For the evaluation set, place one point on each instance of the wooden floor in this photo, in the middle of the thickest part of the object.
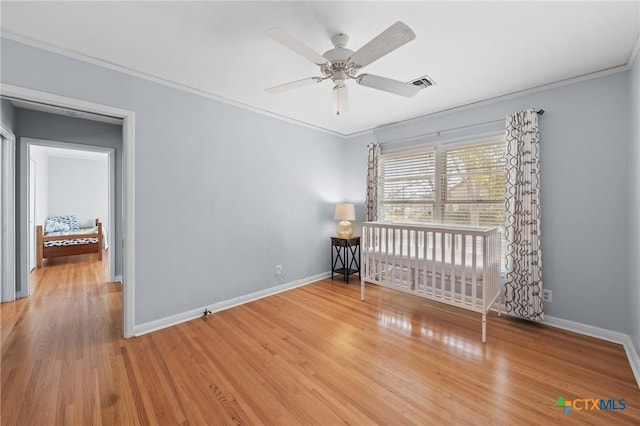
(313, 355)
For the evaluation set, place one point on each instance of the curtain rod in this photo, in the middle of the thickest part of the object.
(438, 132)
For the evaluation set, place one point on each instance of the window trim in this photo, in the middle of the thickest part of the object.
(420, 143)
(431, 151)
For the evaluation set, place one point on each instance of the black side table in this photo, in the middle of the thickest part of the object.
(340, 262)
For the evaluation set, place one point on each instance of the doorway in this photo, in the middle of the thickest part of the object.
(77, 179)
(45, 99)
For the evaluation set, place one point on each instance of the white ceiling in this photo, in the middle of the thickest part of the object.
(473, 50)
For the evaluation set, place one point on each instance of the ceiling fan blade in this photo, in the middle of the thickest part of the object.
(387, 41)
(283, 37)
(293, 84)
(388, 85)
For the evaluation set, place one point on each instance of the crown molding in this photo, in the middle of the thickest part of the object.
(634, 53)
(360, 133)
(505, 97)
(155, 79)
(169, 83)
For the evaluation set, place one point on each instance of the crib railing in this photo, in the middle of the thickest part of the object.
(451, 264)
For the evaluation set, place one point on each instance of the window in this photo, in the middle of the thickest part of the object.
(473, 185)
(407, 187)
(461, 184)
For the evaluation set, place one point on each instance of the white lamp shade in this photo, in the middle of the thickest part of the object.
(345, 212)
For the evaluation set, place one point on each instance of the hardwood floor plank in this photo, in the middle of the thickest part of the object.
(140, 396)
(312, 355)
(212, 374)
(192, 386)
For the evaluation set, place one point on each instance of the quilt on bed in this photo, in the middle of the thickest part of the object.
(67, 225)
(75, 242)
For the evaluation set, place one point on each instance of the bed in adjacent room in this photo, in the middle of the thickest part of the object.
(62, 236)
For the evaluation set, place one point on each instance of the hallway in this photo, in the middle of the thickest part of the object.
(55, 343)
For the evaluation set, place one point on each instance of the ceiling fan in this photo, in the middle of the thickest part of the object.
(341, 64)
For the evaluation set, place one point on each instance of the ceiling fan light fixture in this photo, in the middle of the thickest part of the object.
(340, 105)
(341, 64)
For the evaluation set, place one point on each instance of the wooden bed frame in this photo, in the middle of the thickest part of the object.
(43, 252)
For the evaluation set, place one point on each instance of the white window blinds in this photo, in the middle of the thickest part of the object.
(473, 184)
(407, 187)
(461, 185)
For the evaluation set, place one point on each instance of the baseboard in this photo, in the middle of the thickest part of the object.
(580, 328)
(161, 323)
(576, 327)
(603, 334)
(632, 356)
(587, 330)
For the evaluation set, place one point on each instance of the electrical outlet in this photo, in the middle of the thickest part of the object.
(278, 269)
(547, 296)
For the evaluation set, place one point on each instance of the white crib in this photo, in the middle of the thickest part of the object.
(456, 265)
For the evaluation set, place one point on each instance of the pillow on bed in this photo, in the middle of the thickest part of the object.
(61, 223)
(70, 220)
(53, 225)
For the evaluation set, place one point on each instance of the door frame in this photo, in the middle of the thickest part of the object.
(7, 217)
(27, 143)
(33, 169)
(128, 183)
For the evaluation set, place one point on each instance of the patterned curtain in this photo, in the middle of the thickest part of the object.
(523, 288)
(371, 207)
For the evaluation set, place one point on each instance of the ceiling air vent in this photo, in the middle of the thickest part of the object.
(423, 82)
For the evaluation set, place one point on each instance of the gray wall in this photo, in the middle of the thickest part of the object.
(60, 128)
(7, 115)
(222, 194)
(356, 178)
(583, 189)
(633, 298)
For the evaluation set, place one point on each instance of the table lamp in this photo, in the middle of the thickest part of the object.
(345, 213)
